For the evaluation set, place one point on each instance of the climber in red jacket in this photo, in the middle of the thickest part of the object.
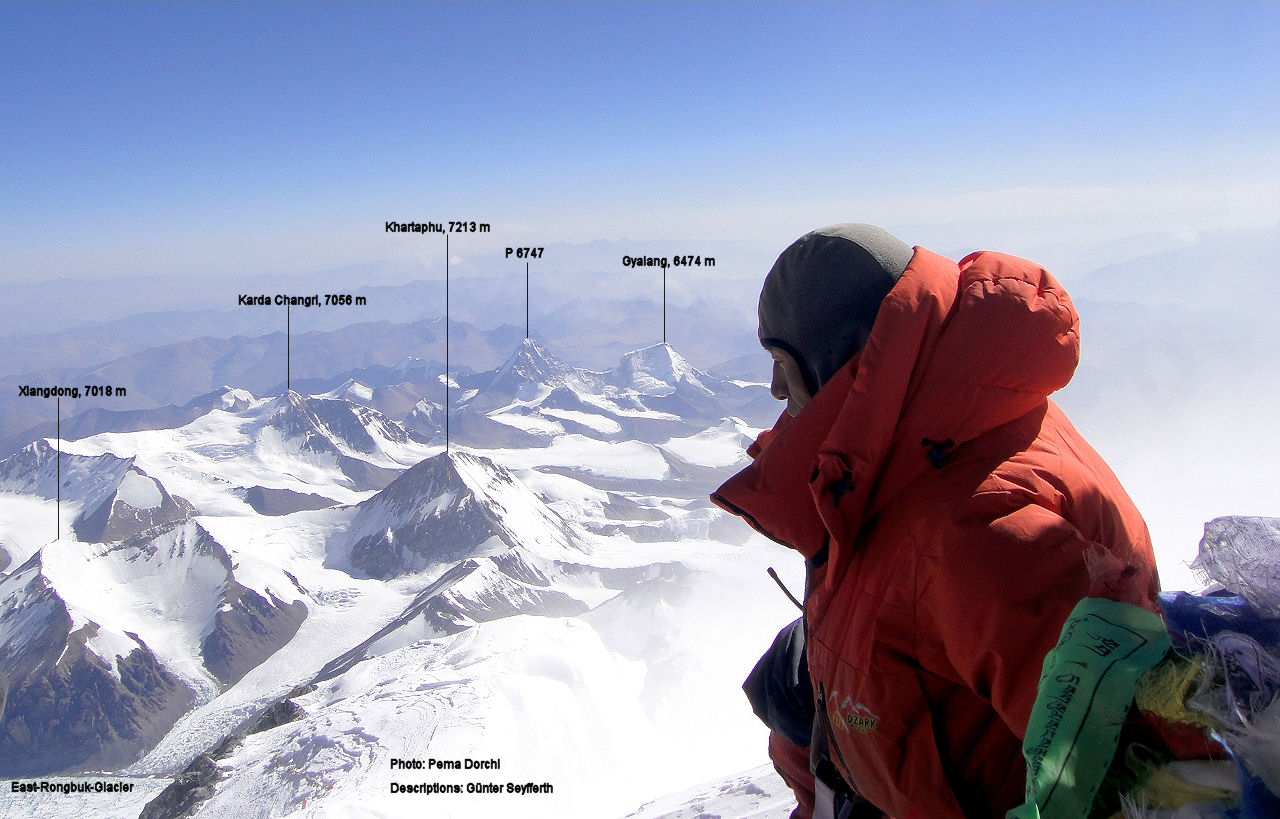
(949, 515)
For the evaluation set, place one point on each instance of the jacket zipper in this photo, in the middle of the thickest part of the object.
(830, 738)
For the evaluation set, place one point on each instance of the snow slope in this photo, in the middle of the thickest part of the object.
(565, 603)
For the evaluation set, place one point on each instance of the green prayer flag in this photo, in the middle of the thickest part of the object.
(1087, 685)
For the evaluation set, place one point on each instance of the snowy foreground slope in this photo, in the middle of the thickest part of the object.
(307, 606)
(755, 794)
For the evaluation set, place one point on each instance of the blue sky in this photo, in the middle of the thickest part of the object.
(229, 137)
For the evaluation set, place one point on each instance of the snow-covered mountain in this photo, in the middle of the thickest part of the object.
(360, 440)
(105, 645)
(334, 425)
(38, 470)
(67, 707)
(107, 498)
(528, 375)
(446, 509)
(652, 395)
(256, 611)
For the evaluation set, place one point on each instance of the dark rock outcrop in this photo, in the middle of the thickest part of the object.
(248, 629)
(267, 501)
(62, 709)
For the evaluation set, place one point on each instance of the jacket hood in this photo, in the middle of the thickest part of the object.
(956, 350)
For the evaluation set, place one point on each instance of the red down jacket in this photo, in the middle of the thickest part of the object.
(962, 516)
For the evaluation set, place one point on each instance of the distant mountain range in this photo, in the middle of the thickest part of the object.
(316, 570)
(173, 341)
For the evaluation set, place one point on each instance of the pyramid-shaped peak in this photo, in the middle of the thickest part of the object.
(449, 470)
(287, 405)
(286, 401)
(657, 369)
(531, 358)
(529, 372)
(661, 355)
(449, 507)
(442, 463)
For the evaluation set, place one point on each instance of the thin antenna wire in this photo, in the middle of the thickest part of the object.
(784, 588)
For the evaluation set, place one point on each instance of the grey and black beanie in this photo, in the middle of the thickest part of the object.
(822, 295)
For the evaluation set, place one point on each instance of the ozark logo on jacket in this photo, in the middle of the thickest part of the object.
(850, 715)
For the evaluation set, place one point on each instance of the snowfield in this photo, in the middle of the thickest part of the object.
(555, 629)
